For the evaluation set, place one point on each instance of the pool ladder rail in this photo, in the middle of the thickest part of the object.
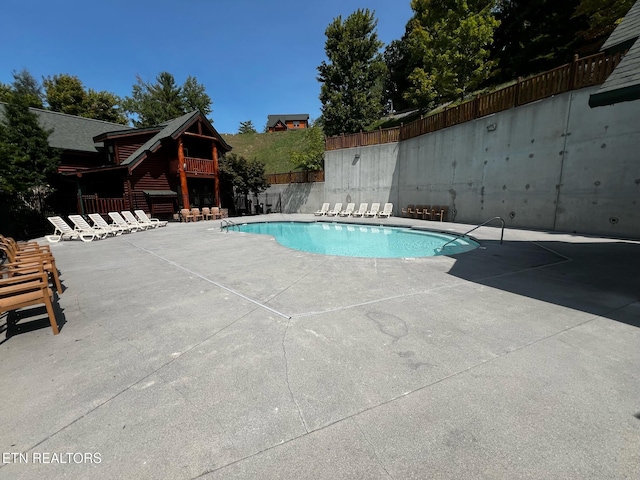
(228, 223)
(477, 227)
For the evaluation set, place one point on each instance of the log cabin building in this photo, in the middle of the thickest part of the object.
(111, 167)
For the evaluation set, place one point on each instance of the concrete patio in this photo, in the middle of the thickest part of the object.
(187, 352)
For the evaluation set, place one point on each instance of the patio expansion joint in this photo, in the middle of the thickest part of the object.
(286, 371)
(202, 277)
(373, 448)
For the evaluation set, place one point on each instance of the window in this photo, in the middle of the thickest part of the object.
(296, 124)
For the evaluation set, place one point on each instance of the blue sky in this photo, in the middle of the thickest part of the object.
(255, 57)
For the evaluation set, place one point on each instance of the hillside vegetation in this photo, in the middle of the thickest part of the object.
(273, 149)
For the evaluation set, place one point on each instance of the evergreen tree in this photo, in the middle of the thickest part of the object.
(397, 59)
(448, 42)
(153, 103)
(26, 160)
(246, 127)
(352, 80)
(601, 16)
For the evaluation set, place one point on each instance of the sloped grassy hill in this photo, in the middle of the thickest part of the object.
(272, 148)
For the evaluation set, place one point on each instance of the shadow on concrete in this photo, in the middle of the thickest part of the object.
(15, 323)
(295, 196)
(599, 277)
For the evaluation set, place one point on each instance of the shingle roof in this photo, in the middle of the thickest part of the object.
(273, 119)
(628, 29)
(172, 128)
(71, 132)
(624, 82)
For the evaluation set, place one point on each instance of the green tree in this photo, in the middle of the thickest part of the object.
(311, 156)
(602, 16)
(5, 92)
(25, 156)
(246, 127)
(153, 103)
(397, 59)
(352, 80)
(247, 176)
(103, 105)
(537, 35)
(448, 41)
(27, 89)
(65, 93)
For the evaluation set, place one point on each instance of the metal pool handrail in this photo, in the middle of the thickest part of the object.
(226, 223)
(478, 226)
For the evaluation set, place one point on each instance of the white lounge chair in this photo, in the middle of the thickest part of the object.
(113, 229)
(133, 221)
(154, 222)
(336, 210)
(323, 210)
(82, 225)
(349, 210)
(62, 231)
(387, 211)
(122, 223)
(375, 208)
(361, 211)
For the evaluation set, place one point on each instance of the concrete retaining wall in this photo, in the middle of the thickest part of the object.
(555, 164)
(295, 197)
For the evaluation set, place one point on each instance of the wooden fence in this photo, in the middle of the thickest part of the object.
(295, 177)
(95, 204)
(582, 72)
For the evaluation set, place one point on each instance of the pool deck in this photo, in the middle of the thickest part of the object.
(187, 352)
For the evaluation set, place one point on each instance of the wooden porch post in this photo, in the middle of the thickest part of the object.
(217, 176)
(183, 176)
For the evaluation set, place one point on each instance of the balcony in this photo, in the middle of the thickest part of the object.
(198, 166)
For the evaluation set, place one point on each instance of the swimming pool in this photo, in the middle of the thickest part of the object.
(351, 240)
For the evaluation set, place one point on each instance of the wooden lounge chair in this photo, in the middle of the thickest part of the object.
(186, 215)
(336, 210)
(407, 211)
(440, 212)
(417, 213)
(348, 211)
(121, 222)
(113, 229)
(215, 212)
(387, 211)
(206, 213)
(62, 230)
(375, 208)
(82, 225)
(361, 211)
(29, 256)
(323, 210)
(144, 218)
(195, 211)
(426, 212)
(30, 288)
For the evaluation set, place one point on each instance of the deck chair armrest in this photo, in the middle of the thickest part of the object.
(40, 276)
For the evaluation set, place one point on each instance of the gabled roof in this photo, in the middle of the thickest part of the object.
(623, 84)
(172, 129)
(71, 132)
(273, 119)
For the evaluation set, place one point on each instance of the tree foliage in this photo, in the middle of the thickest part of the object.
(601, 16)
(65, 93)
(26, 159)
(537, 35)
(311, 157)
(153, 103)
(246, 127)
(352, 80)
(397, 59)
(247, 176)
(448, 42)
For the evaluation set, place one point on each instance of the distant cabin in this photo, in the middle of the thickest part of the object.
(280, 123)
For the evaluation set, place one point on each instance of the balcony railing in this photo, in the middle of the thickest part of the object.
(198, 166)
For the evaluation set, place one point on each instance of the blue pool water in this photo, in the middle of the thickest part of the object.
(351, 240)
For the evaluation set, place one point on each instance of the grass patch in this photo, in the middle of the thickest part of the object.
(271, 148)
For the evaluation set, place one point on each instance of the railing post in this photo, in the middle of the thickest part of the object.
(573, 72)
(516, 99)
